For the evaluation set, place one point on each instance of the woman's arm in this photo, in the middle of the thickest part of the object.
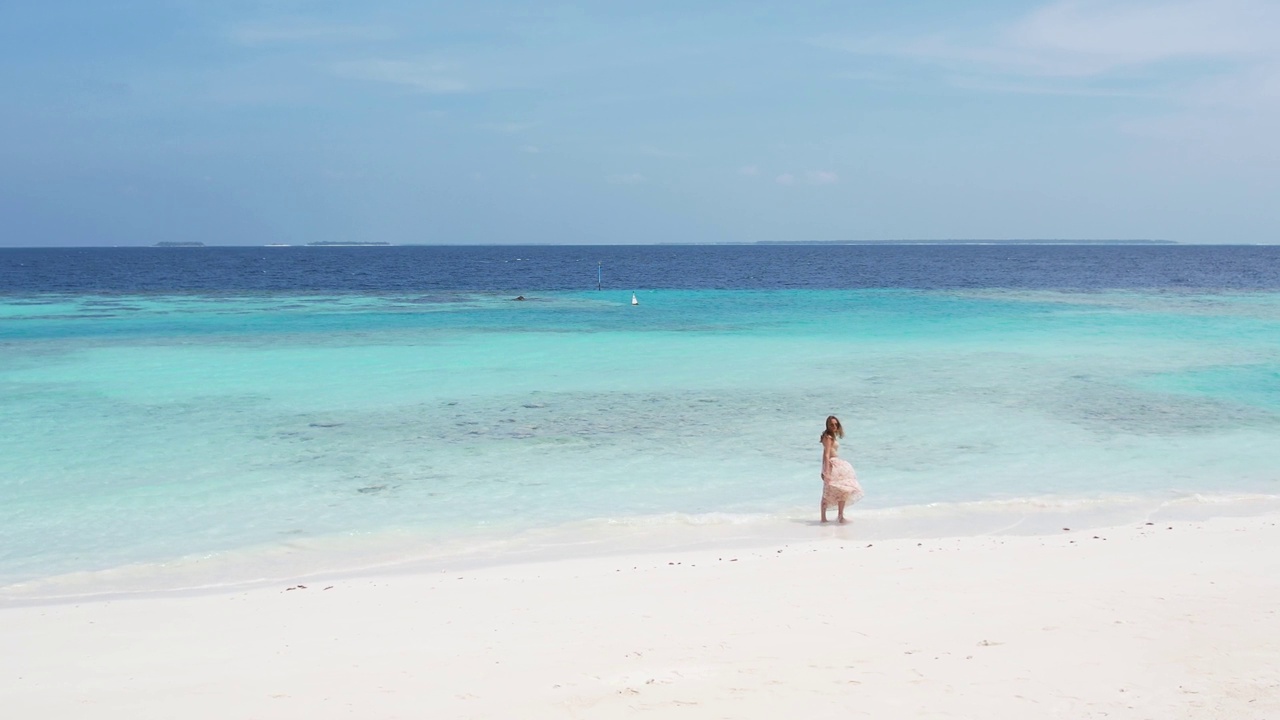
(827, 442)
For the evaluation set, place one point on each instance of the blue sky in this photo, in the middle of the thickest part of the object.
(239, 122)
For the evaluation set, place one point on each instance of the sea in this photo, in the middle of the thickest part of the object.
(186, 419)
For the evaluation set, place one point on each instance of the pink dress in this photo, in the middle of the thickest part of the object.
(839, 481)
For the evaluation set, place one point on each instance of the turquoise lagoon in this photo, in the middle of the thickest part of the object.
(167, 442)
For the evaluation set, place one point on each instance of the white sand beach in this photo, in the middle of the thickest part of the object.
(1173, 620)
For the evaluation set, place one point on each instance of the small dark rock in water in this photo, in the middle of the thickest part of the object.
(519, 297)
(372, 489)
(325, 424)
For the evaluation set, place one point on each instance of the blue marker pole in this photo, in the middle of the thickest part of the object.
(600, 275)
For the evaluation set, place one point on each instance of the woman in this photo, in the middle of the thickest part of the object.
(839, 481)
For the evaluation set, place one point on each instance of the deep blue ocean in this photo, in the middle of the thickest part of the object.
(533, 268)
(197, 417)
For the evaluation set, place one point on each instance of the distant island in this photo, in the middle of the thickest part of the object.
(966, 242)
(330, 243)
(175, 243)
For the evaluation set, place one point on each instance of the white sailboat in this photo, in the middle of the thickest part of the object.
(634, 301)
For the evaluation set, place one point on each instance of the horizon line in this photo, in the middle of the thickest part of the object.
(171, 245)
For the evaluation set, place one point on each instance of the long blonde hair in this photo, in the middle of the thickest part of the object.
(827, 431)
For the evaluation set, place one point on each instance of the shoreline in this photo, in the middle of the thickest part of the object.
(401, 552)
(1175, 619)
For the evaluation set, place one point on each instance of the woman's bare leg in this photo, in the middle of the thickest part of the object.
(840, 513)
(824, 511)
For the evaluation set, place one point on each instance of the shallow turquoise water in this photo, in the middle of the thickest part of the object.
(138, 432)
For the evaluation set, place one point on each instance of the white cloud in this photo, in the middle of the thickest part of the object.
(1229, 118)
(1036, 86)
(425, 76)
(785, 179)
(749, 171)
(1092, 38)
(625, 179)
(1096, 37)
(1214, 64)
